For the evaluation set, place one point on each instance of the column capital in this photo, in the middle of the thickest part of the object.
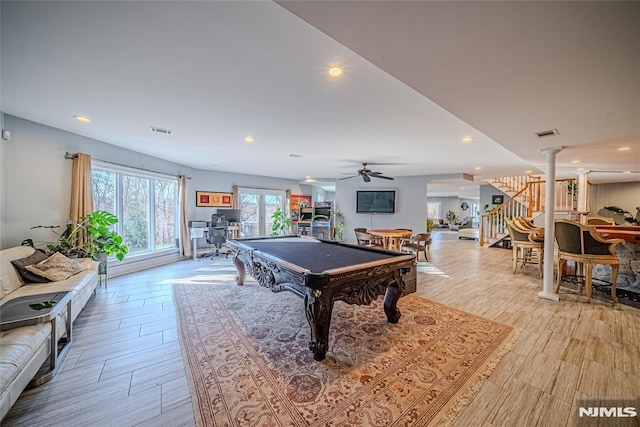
(551, 150)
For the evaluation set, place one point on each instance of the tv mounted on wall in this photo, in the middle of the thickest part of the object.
(376, 202)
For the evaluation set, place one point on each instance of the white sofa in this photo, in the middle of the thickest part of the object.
(469, 233)
(23, 350)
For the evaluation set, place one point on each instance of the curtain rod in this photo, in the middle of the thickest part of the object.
(71, 156)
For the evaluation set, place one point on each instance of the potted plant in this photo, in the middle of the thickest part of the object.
(451, 217)
(429, 225)
(281, 223)
(100, 239)
(339, 221)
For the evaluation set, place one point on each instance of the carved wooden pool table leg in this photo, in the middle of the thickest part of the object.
(242, 273)
(318, 307)
(391, 298)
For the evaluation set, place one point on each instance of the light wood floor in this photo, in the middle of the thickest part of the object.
(125, 367)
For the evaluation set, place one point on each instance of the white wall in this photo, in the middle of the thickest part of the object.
(411, 204)
(37, 177)
(625, 195)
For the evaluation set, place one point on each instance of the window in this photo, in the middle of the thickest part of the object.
(257, 207)
(433, 210)
(146, 205)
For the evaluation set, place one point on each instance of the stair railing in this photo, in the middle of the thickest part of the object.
(525, 202)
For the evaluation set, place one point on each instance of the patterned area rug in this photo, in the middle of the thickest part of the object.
(248, 363)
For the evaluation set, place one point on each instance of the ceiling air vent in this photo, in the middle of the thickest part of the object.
(160, 130)
(546, 133)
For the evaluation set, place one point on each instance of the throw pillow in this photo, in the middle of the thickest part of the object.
(27, 276)
(57, 267)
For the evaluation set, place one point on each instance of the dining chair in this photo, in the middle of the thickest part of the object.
(599, 220)
(366, 239)
(417, 244)
(527, 246)
(580, 243)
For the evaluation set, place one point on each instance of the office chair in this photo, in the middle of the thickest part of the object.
(217, 232)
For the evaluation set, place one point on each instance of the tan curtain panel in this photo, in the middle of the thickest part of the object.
(81, 191)
(236, 198)
(185, 243)
(288, 202)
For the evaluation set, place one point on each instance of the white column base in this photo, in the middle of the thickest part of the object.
(549, 296)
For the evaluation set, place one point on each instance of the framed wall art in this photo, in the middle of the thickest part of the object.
(215, 200)
(497, 199)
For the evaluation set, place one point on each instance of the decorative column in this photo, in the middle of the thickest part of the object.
(549, 224)
(583, 190)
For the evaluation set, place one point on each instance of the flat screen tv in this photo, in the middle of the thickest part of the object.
(376, 202)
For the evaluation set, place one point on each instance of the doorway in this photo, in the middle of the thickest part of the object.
(257, 207)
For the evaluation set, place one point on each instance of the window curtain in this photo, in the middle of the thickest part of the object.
(185, 241)
(235, 201)
(81, 192)
(287, 206)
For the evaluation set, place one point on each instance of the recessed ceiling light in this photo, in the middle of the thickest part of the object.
(248, 139)
(580, 169)
(528, 172)
(626, 172)
(467, 139)
(83, 119)
(575, 161)
(335, 70)
(624, 148)
(477, 168)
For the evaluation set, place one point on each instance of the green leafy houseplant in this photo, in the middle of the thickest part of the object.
(339, 227)
(281, 223)
(100, 239)
(451, 217)
(429, 225)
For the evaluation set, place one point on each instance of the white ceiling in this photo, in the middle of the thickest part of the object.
(419, 76)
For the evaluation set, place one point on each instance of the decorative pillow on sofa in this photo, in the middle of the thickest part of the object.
(57, 267)
(21, 267)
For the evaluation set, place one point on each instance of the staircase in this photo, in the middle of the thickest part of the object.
(526, 198)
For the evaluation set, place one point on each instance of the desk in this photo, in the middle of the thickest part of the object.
(391, 238)
(323, 272)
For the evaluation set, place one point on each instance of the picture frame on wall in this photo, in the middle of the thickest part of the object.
(215, 200)
(497, 199)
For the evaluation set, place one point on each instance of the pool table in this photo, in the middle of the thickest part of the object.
(323, 272)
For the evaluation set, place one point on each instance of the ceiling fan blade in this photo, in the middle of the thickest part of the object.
(375, 173)
(366, 178)
(347, 177)
(383, 177)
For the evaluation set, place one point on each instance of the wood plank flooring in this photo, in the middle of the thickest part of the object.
(125, 367)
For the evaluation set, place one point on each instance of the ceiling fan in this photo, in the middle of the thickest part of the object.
(366, 174)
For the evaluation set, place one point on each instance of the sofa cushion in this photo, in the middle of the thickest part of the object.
(57, 267)
(81, 284)
(18, 346)
(10, 280)
(22, 263)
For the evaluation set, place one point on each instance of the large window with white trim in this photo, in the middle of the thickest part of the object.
(145, 203)
(433, 210)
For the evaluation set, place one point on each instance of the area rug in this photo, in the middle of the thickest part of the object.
(248, 363)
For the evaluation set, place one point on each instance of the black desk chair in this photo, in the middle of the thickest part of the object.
(217, 232)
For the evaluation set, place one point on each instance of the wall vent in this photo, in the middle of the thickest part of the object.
(546, 133)
(160, 130)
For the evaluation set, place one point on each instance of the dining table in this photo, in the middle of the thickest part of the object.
(391, 237)
(631, 234)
